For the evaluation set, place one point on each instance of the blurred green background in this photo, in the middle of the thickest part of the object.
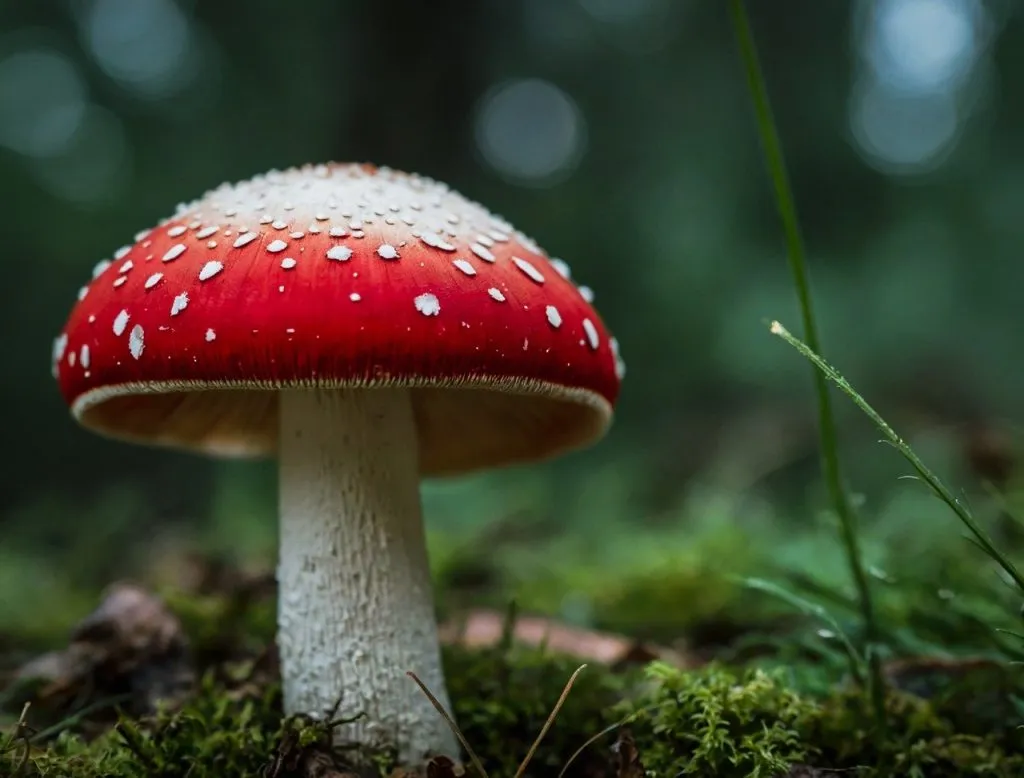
(619, 134)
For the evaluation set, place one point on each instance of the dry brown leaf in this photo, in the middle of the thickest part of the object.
(483, 628)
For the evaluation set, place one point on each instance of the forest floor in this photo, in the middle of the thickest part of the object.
(692, 670)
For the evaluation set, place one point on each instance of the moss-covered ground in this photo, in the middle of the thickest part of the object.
(762, 682)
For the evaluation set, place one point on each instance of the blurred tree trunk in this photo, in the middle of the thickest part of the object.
(418, 72)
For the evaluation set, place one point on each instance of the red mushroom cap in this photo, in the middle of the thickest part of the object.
(339, 275)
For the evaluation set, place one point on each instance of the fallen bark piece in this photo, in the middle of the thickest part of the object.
(483, 628)
(442, 767)
(131, 648)
(626, 757)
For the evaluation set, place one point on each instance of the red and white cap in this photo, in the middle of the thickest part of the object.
(339, 275)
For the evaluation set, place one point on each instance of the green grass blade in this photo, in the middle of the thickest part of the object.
(856, 660)
(933, 482)
(828, 443)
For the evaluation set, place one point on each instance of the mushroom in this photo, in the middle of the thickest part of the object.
(368, 327)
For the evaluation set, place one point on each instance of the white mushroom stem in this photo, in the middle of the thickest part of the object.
(356, 608)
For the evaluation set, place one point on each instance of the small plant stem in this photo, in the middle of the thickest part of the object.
(798, 268)
(933, 482)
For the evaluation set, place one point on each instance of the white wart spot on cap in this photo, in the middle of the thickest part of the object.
(561, 267)
(206, 232)
(120, 322)
(210, 269)
(531, 272)
(179, 304)
(153, 280)
(387, 251)
(496, 294)
(355, 297)
(464, 266)
(244, 239)
(174, 232)
(337, 232)
(592, 337)
(483, 252)
(122, 252)
(436, 241)
(587, 293)
(288, 263)
(136, 341)
(210, 335)
(427, 304)
(620, 366)
(340, 253)
(100, 266)
(128, 265)
(119, 281)
(276, 245)
(60, 343)
(554, 317)
(174, 252)
(84, 357)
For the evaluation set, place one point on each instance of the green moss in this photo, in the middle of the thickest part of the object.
(221, 732)
(921, 740)
(215, 734)
(658, 585)
(722, 722)
(715, 721)
(711, 722)
(502, 697)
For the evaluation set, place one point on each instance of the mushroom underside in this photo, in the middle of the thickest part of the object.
(461, 429)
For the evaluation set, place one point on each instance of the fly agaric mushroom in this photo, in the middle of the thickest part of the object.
(368, 327)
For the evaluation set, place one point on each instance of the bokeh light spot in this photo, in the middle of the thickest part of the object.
(923, 45)
(901, 133)
(530, 131)
(907, 109)
(141, 44)
(42, 101)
